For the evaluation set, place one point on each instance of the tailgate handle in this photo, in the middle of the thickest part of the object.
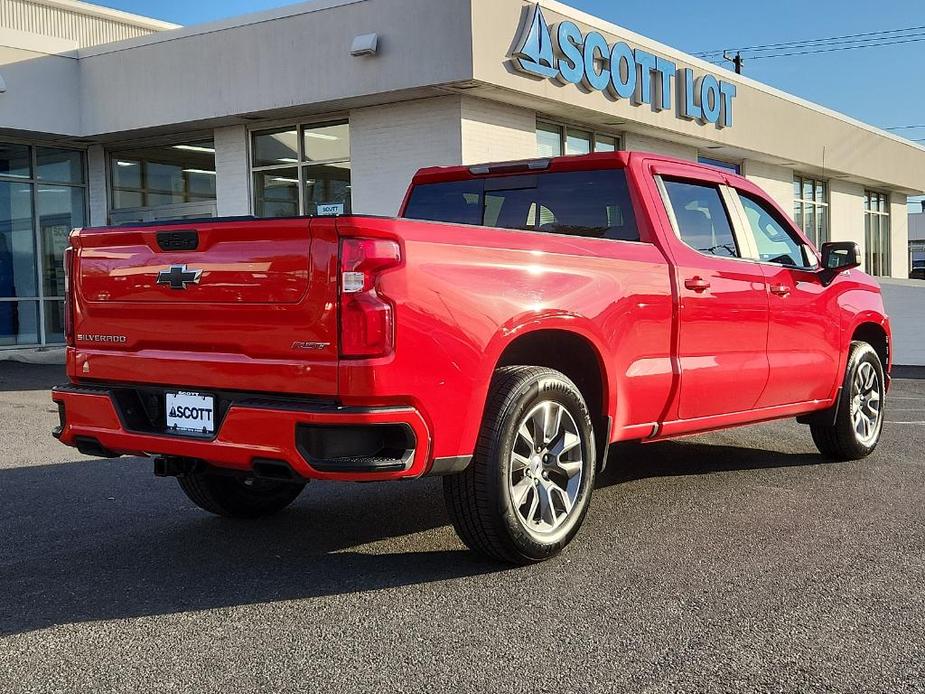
(181, 240)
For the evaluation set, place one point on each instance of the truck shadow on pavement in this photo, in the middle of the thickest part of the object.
(104, 539)
(22, 377)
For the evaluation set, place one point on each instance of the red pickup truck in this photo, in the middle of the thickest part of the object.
(514, 321)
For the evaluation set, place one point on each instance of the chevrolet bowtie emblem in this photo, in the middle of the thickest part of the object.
(178, 276)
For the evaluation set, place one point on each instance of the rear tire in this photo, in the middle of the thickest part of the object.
(236, 497)
(858, 423)
(526, 492)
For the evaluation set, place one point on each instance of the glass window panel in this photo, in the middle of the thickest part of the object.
(165, 178)
(776, 243)
(54, 322)
(807, 193)
(19, 323)
(809, 223)
(126, 174)
(124, 199)
(605, 143)
(59, 165)
(577, 142)
(327, 185)
(798, 214)
(164, 175)
(703, 222)
(60, 209)
(17, 241)
(327, 142)
(276, 147)
(580, 203)
(886, 245)
(819, 192)
(200, 184)
(797, 187)
(724, 165)
(822, 225)
(15, 161)
(276, 193)
(548, 140)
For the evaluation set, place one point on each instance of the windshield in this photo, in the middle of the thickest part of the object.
(581, 203)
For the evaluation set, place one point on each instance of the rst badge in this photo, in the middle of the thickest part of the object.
(178, 276)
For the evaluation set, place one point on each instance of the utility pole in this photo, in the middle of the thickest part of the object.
(735, 60)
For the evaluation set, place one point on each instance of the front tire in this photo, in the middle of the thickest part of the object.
(527, 490)
(237, 497)
(858, 423)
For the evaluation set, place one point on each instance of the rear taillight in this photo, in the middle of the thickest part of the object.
(69, 296)
(367, 319)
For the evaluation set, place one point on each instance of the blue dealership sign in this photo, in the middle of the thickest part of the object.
(563, 54)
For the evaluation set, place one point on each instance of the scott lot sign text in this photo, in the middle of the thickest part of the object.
(563, 54)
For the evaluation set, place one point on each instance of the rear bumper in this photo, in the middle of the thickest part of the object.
(310, 438)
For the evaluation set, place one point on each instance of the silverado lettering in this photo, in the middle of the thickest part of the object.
(509, 326)
(102, 338)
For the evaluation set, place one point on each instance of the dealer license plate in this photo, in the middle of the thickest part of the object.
(190, 413)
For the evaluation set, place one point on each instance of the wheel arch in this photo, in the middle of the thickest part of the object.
(876, 335)
(576, 355)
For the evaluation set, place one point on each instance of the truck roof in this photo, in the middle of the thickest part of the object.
(582, 162)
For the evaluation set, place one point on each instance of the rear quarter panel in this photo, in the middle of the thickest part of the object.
(465, 293)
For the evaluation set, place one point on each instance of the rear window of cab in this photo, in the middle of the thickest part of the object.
(594, 204)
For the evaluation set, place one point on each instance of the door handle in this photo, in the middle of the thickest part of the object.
(697, 284)
(780, 289)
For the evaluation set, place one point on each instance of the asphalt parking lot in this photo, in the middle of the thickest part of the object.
(737, 561)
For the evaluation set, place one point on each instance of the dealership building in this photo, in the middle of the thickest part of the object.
(330, 106)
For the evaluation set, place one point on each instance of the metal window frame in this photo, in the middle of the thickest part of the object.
(816, 205)
(114, 153)
(302, 163)
(38, 242)
(745, 243)
(564, 127)
(885, 268)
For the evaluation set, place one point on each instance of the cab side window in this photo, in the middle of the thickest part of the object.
(703, 222)
(776, 244)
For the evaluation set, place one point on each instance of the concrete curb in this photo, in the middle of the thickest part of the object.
(916, 372)
(48, 355)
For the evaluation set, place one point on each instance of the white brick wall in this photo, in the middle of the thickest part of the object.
(493, 132)
(846, 212)
(641, 143)
(231, 171)
(99, 190)
(776, 181)
(388, 144)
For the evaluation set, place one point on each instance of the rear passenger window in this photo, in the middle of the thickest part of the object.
(578, 203)
(703, 222)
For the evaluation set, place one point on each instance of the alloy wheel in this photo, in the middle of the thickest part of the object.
(546, 468)
(866, 410)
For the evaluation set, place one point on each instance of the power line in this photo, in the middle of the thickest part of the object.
(805, 42)
(906, 127)
(859, 43)
(834, 50)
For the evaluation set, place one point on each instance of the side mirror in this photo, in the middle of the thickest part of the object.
(840, 255)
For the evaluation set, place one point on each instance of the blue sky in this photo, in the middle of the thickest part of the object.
(881, 86)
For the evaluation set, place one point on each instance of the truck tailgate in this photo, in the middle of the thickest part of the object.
(252, 303)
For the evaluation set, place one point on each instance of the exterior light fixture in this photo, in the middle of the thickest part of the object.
(2, 85)
(365, 44)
